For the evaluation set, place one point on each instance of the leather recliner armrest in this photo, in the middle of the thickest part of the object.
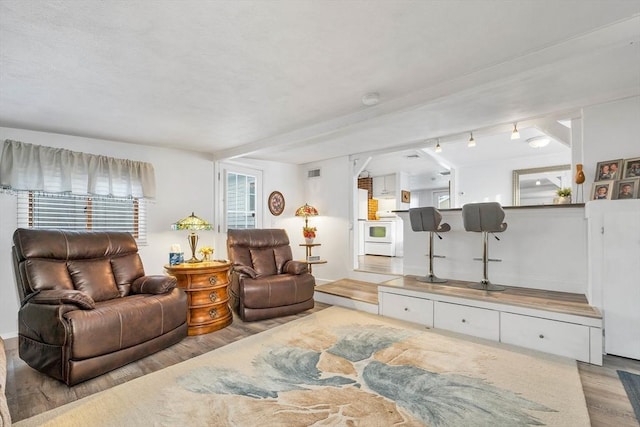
(246, 270)
(295, 267)
(153, 284)
(61, 297)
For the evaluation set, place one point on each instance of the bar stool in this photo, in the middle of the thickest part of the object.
(484, 218)
(428, 219)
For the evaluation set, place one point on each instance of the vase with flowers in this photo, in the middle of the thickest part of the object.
(206, 252)
(309, 234)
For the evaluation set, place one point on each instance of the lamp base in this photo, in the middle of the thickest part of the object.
(193, 242)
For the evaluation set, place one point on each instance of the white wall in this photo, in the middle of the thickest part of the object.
(493, 182)
(610, 131)
(331, 194)
(541, 248)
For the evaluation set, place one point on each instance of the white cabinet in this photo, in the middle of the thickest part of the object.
(614, 272)
(561, 338)
(416, 310)
(565, 334)
(478, 322)
(384, 187)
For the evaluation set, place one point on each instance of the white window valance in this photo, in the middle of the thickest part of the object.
(28, 167)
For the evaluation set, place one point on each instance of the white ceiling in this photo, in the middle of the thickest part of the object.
(283, 80)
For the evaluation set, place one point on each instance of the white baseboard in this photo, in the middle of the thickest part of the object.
(345, 302)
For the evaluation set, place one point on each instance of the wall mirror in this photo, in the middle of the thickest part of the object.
(537, 186)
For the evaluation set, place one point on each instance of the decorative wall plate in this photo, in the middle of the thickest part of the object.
(276, 203)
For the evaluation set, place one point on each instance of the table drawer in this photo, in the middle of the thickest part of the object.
(210, 313)
(551, 336)
(478, 322)
(417, 310)
(208, 296)
(207, 280)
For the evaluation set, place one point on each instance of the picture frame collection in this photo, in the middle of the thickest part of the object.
(616, 180)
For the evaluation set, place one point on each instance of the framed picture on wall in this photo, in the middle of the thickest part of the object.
(406, 196)
(631, 168)
(602, 190)
(626, 189)
(609, 169)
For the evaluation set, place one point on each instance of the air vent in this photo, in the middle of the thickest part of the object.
(313, 173)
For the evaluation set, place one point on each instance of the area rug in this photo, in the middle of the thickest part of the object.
(347, 368)
(631, 383)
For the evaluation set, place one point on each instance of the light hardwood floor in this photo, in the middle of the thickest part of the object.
(30, 393)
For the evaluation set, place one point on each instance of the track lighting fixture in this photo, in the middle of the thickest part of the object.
(472, 142)
(438, 149)
(515, 134)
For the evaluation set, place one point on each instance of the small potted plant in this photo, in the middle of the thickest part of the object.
(564, 196)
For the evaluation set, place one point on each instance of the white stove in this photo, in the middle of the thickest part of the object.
(380, 238)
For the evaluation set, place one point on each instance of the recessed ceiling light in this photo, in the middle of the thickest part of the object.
(370, 99)
(538, 141)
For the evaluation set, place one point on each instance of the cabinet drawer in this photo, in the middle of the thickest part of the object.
(207, 296)
(208, 314)
(474, 321)
(564, 339)
(208, 280)
(417, 310)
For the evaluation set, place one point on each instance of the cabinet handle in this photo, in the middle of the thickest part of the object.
(213, 296)
(464, 320)
(213, 280)
(406, 309)
(541, 336)
(213, 313)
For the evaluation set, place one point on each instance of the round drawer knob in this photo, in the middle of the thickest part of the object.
(406, 309)
(213, 296)
(464, 320)
(541, 336)
(213, 313)
(213, 280)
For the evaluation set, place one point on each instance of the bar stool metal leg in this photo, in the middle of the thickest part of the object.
(431, 278)
(485, 284)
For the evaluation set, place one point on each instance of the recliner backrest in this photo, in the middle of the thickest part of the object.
(102, 264)
(264, 250)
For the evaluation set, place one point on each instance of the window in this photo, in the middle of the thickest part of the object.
(441, 199)
(241, 201)
(74, 212)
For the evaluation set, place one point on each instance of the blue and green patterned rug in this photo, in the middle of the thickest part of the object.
(347, 368)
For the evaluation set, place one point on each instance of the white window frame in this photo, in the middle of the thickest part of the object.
(436, 198)
(224, 170)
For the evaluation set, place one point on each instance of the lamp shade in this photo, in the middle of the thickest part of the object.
(306, 210)
(191, 222)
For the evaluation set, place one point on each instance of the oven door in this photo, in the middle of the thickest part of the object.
(379, 232)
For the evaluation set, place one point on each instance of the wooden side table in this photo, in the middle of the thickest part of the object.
(206, 286)
(308, 247)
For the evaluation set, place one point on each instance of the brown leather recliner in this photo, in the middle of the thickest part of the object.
(265, 281)
(87, 305)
